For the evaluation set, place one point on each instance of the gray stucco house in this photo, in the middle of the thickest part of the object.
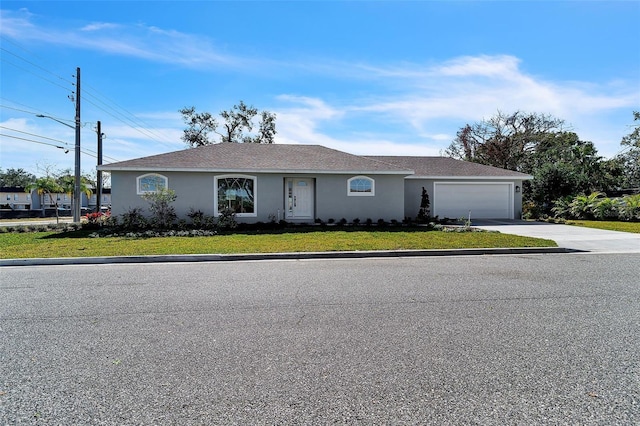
(300, 183)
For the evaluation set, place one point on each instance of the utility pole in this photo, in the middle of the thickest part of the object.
(99, 175)
(77, 199)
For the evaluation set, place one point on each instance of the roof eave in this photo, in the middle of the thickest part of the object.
(108, 168)
(523, 177)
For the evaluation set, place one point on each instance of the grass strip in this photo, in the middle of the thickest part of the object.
(633, 227)
(78, 244)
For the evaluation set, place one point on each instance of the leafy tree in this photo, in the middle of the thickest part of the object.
(633, 138)
(551, 182)
(629, 159)
(564, 165)
(237, 126)
(16, 177)
(560, 162)
(46, 186)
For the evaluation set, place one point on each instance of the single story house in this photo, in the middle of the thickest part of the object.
(299, 183)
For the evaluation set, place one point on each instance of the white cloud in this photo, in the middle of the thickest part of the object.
(97, 26)
(412, 107)
(501, 66)
(469, 89)
(141, 41)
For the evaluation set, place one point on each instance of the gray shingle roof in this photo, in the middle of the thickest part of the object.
(248, 157)
(284, 158)
(448, 167)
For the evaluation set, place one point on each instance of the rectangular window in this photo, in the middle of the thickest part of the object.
(236, 193)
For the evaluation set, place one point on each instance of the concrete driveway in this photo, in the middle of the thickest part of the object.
(567, 236)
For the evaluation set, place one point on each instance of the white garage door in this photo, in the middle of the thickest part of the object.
(485, 200)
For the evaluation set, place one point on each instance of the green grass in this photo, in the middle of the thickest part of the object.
(78, 244)
(633, 227)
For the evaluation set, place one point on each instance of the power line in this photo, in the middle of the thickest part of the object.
(8, 40)
(95, 154)
(31, 140)
(139, 122)
(17, 109)
(31, 112)
(66, 149)
(32, 134)
(144, 132)
(36, 65)
(55, 83)
(117, 112)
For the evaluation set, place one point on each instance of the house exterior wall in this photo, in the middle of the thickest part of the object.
(413, 196)
(192, 190)
(413, 191)
(196, 190)
(333, 202)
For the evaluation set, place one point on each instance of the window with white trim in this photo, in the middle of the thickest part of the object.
(361, 186)
(236, 192)
(151, 182)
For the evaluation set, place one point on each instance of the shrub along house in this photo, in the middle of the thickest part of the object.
(299, 183)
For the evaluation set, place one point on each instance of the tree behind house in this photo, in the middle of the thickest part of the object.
(237, 126)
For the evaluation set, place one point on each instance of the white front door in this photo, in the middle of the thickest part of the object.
(299, 198)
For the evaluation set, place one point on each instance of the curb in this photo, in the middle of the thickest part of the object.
(279, 256)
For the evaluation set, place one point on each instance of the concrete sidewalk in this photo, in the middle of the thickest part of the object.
(278, 256)
(567, 236)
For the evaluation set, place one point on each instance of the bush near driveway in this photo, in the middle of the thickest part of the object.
(597, 206)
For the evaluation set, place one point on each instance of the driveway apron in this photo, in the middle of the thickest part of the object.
(567, 236)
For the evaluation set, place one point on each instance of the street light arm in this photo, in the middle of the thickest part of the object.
(55, 119)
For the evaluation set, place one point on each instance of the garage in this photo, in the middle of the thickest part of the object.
(485, 200)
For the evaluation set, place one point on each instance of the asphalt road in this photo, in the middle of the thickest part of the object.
(491, 340)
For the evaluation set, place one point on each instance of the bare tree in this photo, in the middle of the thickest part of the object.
(504, 140)
(237, 126)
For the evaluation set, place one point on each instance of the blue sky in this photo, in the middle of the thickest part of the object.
(383, 77)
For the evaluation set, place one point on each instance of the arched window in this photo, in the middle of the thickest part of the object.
(151, 182)
(236, 192)
(362, 186)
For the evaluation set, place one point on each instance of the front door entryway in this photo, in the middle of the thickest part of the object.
(299, 193)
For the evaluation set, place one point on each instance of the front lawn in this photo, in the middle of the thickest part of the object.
(633, 227)
(79, 244)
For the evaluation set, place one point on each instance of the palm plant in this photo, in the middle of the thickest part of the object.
(606, 208)
(561, 207)
(630, 207)
(68, 184)
(46, 186)
(582, 205)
